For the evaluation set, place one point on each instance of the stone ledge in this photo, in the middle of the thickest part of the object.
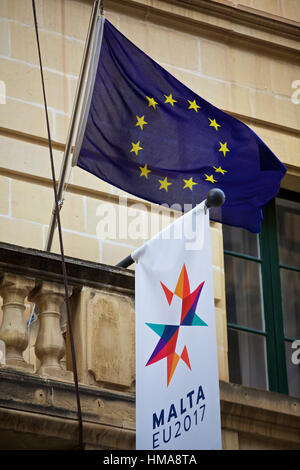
(261, 414)
(46, 408)
(41, 413)
(22, 430)
(57, 398)
(47, 266)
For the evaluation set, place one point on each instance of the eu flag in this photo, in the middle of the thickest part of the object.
(151, 136)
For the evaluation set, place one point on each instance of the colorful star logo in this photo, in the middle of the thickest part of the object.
(166, 347)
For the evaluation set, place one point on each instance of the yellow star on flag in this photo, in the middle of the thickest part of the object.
(144, 171)
(169, 99)
(214, 124)
(164, 184)
(151, 102)
(136, 147)
(210, 178)
(189, 183)
(224, 148)
(220, 170)
(141, 121)
(193, 105)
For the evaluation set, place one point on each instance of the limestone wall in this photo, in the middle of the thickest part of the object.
(289, 9)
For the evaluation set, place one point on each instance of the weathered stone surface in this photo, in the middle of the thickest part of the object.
(13, 331)
(50, 344)
(43, 413)
(47, 266)
(259, 419)
(103, 325)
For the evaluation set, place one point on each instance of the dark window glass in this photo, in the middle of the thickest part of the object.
(247, 359)
(243, 293)
(240, 241)
(288, 227)
(290, 287)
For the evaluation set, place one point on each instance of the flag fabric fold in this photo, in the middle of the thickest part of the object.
(150, 135)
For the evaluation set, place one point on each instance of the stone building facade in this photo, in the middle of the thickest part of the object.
(240, 55)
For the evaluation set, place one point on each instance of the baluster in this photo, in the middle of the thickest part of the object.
(14, 331)
(50, 345)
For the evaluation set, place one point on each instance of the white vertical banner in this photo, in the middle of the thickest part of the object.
(177, 386)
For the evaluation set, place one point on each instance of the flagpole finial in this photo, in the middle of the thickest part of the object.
(215, 198)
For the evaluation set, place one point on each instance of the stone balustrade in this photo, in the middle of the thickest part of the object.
(50, 345)
(13, 331)
(102, 318)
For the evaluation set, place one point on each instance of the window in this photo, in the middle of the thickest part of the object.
(262, 275)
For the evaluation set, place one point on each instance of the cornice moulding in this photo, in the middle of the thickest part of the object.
(244, 14)
(221, 21)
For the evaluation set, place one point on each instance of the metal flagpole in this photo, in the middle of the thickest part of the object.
(215, 198)
(89, 88)
(87, 55)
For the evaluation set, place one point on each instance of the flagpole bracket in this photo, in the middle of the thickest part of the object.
(126, 262)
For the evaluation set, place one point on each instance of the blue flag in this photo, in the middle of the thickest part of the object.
(153, 137)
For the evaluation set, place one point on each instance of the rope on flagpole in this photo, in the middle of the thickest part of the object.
(62, 197)
(64, 271)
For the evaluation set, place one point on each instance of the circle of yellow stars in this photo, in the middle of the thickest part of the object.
(136, 147)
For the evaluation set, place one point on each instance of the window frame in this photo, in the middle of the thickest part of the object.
(271, 295)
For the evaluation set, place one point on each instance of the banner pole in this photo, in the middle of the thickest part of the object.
(215, 198)
(74, 119)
